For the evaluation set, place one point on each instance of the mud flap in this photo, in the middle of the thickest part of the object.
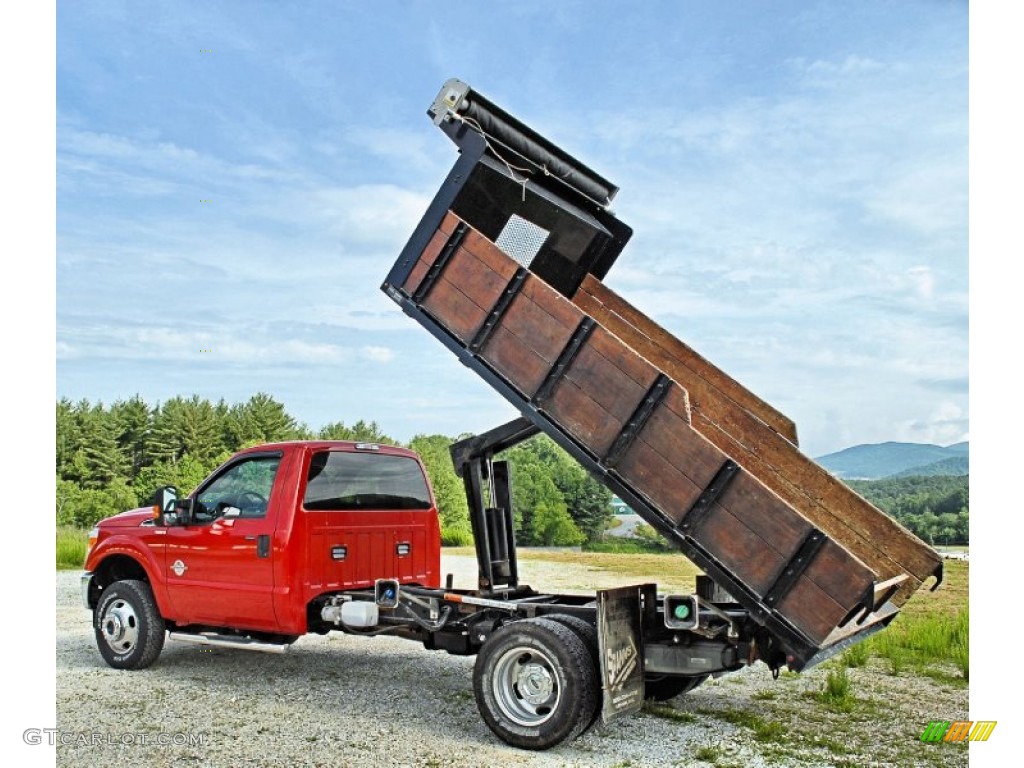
(620, 640)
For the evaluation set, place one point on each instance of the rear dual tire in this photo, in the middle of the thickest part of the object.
(536, 684)
(668, 687)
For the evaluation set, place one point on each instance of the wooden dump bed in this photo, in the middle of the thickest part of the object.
(707, 463)
(723, 412)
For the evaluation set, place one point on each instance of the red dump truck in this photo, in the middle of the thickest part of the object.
(505, 269)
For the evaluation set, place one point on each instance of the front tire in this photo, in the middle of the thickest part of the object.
(536, 684)
(129, 628)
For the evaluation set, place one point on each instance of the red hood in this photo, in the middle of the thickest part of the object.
(130, 519)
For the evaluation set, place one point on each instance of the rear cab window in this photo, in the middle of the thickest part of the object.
(347, 481)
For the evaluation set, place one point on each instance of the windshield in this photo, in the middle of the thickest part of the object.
(340, 480)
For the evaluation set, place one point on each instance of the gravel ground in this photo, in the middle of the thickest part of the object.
(350, 701)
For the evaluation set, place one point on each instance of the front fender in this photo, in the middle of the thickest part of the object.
(110, 557)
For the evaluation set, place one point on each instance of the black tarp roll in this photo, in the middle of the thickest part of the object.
(559, 165)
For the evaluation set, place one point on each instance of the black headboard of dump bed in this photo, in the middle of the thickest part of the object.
(542, 206)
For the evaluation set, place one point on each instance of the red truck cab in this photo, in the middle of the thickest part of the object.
(266, 534)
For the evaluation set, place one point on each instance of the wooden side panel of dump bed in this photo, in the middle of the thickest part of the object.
(719, 411)
(632, 413)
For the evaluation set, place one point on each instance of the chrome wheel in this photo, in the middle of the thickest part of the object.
(120, 626)
(526, 686)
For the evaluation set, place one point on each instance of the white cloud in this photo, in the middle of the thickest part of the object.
(377, 354)
(924, 280)
(926, 195)
(100, 339)
(826, 71)
(66, 351)
(944, 425)
(406, 150)
(372, 213)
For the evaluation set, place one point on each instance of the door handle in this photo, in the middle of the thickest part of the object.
(263, 545)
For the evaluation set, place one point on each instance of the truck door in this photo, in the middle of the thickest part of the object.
(220, 568)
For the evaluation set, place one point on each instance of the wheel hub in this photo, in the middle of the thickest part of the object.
(120, 626)
(535, 683)
(112, 628)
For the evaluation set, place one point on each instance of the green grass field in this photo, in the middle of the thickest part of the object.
(933, 629)
(71, 544)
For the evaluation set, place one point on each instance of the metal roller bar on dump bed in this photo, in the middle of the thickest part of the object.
(505, 270)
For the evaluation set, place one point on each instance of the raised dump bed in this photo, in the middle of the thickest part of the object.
(505, 269)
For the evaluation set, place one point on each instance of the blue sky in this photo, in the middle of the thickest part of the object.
(796, 175)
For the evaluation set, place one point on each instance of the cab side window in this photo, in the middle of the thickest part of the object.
(245, 486)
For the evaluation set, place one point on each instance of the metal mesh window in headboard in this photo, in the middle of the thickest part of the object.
(521, 239)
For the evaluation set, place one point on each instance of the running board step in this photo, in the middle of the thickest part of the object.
(228, 641)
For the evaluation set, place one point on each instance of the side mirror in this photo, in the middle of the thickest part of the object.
(163, 502)
(180, 512)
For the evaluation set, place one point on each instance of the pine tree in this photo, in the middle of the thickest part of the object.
(336, 430)
(68, 437)
(588, 502)
(134, 422)
(99, 458)
(183, 427)
(449, 491)
(535, 495)
(226, 422)
(199, 430)
(361, 432)
(370, 432)
(261, 420)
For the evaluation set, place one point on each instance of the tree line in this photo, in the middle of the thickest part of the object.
(110, 459)
(935, 508)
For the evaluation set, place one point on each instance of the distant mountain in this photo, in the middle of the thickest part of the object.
(871, 462)
(954, 465)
